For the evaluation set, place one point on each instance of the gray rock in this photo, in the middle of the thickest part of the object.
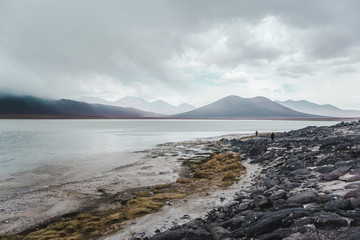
(218, 232)
(280, 194)
(355, 202)
(261, 201)
(352, 194)
(333, 175)
(354, 178)
(304, 198)
(344, 204)
(328, 222)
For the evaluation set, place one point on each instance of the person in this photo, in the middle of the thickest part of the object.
(256, 133)
(272, 136)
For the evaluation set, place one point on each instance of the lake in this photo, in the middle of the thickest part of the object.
(92, 146)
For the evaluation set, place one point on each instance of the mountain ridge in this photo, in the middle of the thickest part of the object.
(324, 109)
(30, 105)
(237, 107)
(158, 106)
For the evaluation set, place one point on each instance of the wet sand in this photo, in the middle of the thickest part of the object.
(23, 207)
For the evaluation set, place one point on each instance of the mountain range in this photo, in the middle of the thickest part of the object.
(313, 108)
(158, 106)
(230, 107)
(247, 108)
(29, 106)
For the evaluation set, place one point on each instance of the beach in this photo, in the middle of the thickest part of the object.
(309, 171)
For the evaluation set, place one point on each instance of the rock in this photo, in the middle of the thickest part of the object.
(268, 223)
(354, 236)
(257, 150)
(333, 175)
(324, 169)
(233, 223)
(277, 234)
(261, 202)
(194, 224)
(218, 232)
(303, 171)
(170, 235)
(352, 194)
(329, 221)
(243, 206)
(353, 185)
(344, 204)
(353, 178)
(304, 198)
(281, 194)
(355, 202)
(344, 164)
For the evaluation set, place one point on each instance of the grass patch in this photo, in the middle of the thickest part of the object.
(221, 170)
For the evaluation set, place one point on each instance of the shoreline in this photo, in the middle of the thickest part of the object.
(308, 188)
(42, 206)
(75, 117)
(184, 210)
(312, 172)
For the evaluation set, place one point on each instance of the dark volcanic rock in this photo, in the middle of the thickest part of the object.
(333, 175)
(307, 160)
(304, 197)
(352, 194)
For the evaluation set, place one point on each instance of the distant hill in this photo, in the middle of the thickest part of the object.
(29, 105)
(313, 108)
(246, 108)
(158, 106)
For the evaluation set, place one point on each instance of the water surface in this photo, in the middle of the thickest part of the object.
(93, 146)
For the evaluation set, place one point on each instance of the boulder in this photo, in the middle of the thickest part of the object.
(261, 201)
(280, 194)
(329, 221)
(352, 194)
(353, 178)
(333, 175)
(304, 198)
(343, 204)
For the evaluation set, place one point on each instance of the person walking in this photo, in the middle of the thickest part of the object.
(272, 136)
(256, 133)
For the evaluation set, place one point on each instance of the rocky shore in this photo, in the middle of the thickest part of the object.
(309, 188)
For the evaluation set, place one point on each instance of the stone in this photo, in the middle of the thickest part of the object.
(328, 222)
(261, 201)
(218, 232)
(352, 194)
(233, 223)
(333, 175)
(280, 194)
(343, 204)
(170, 235)
(304, 198)
(353, 178)
(355, 202)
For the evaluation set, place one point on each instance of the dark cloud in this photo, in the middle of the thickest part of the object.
(161, 48)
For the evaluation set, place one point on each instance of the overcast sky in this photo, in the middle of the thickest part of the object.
(182, 50)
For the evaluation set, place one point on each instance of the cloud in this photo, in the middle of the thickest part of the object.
(181, 50)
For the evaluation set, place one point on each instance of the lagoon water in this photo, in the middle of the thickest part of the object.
(93, 146)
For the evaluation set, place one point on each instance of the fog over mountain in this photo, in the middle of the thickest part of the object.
(313, 108)
(158, 106)
(247, 108)
(33, 107)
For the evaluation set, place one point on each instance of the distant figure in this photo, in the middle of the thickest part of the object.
(272, 136)
(256, 133)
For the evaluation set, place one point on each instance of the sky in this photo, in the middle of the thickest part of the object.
(182, 50)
